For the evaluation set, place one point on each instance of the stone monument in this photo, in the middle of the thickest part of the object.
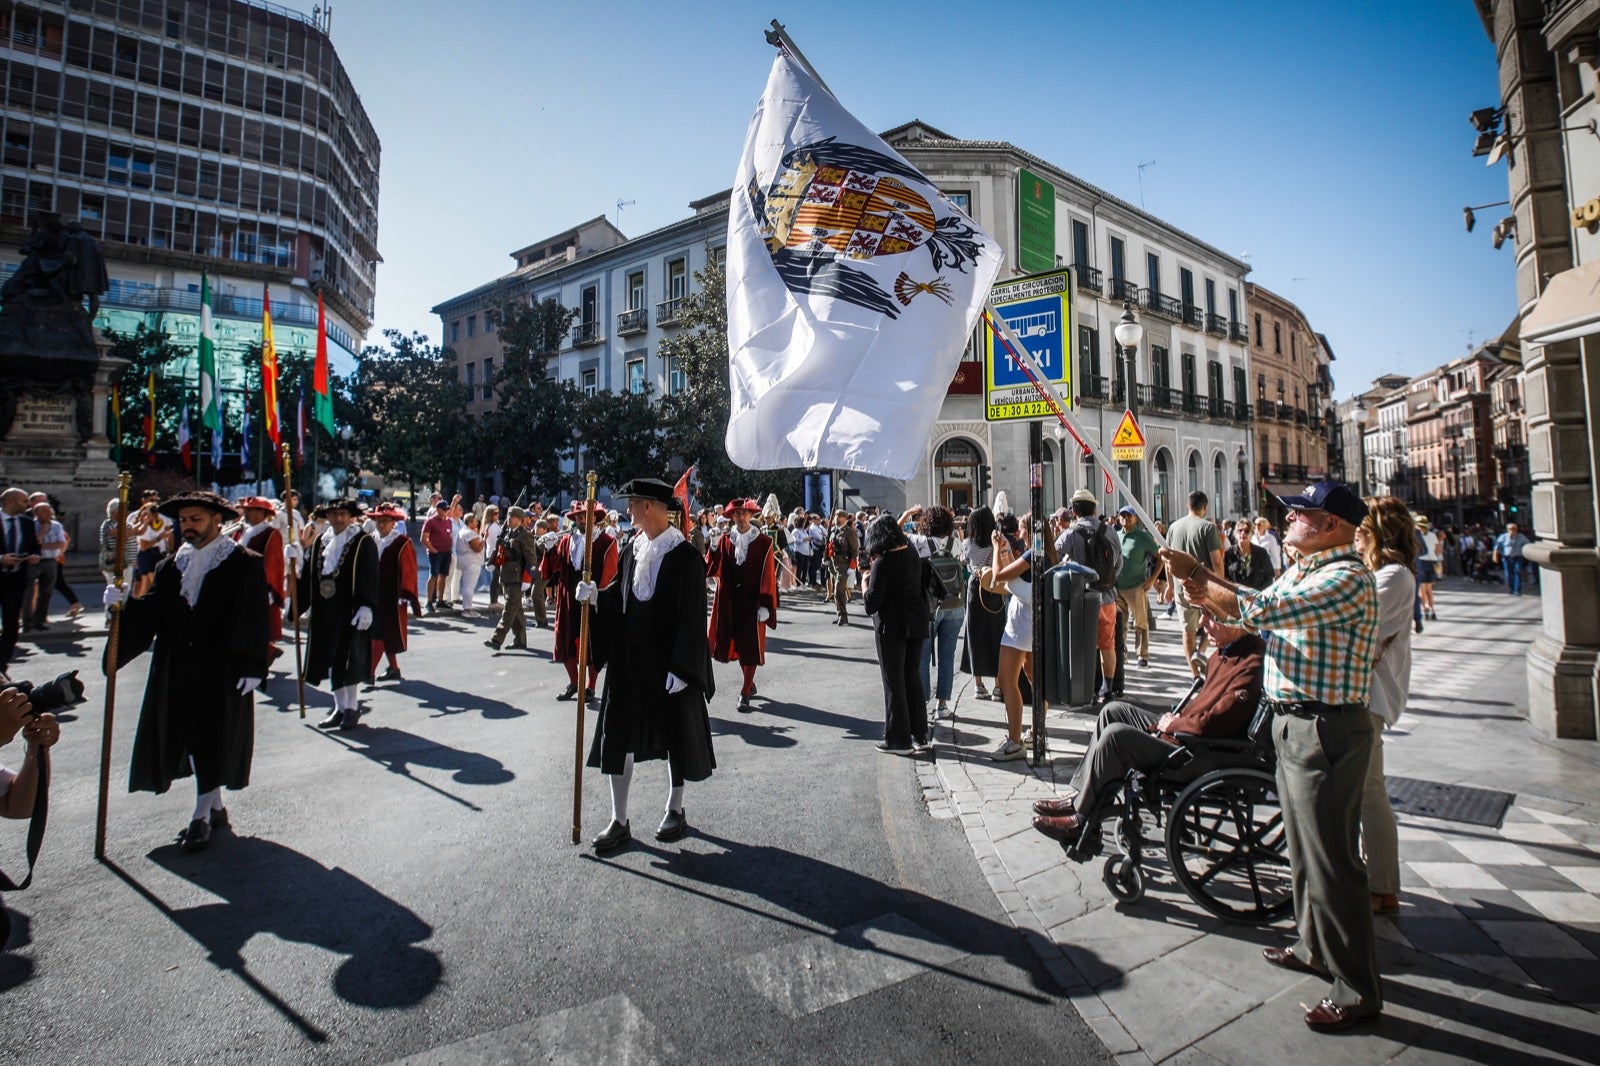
(56, 373)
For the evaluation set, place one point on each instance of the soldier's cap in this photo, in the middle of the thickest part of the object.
(198, 498)
(645, 488)
(737, 505)
(581, 506)
(516, 512)
(352, 508)
(1335, 497)
(258, 503)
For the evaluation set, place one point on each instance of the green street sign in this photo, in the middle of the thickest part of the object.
(1036, 223)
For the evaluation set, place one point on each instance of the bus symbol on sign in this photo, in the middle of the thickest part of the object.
(1037, 323)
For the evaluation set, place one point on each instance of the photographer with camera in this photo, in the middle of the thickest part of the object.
(19, 788)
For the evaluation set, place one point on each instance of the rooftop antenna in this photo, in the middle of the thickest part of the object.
(1151, 163)
(1294, 288)
(621, 203)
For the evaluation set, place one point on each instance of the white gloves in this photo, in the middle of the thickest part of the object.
(113, 596)
(293, 552)
(248, 685)
(675, 684)
(586, 592)
(362, 619)
(762, 614)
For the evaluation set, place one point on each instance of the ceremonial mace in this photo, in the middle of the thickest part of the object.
(124, 482)
(583, 664)
(294, 581)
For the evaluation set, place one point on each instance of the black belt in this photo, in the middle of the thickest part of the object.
(1310, 708)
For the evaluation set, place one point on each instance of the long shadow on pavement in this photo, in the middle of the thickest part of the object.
(853, 728)
(16, 969)
(821, 894)
(398, 751)
(268, 888)
(443, 702)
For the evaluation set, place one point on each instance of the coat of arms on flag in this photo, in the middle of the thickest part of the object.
(853, 285)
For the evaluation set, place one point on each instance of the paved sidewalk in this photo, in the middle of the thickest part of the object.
(1492, 957)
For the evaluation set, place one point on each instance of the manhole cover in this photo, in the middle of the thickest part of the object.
(1453, 803)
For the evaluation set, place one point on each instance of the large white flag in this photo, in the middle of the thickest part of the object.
(853, 285)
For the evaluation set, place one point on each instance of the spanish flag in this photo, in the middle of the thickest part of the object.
(150, 419)
(269, 370)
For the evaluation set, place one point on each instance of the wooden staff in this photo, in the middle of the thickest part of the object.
(124, 482)
(294, 580)
(583, 664)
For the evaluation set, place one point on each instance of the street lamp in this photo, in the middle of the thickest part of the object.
(1128, 334)
(1456, 454)
(1359, 416)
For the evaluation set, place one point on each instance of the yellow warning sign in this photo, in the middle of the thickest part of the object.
(1127, 444)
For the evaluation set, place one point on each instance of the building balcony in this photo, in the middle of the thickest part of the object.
(1220, 409)
(1165, 306)
(1094, 390)
(1193, 316)
(586, 333)
(634, 320)
(1237, 331)
(1216, 324)
(1088, 278)
(1192, 403)
(1158, 398)
(1123, 289)
(1241, 411)
(669, 312)
(1301, 416)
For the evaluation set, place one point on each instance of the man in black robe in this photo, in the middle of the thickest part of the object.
(339, 584)
(651, 621)
(204, 615)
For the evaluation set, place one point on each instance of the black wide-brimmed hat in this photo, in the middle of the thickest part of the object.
(353, 508)
(198, 498)
(645, 488)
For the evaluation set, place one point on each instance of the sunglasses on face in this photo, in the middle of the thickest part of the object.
(1306, 515)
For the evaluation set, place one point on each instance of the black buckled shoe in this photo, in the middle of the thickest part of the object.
(391, 674)
(617, 835)
(219, 820)
(672, 827)
(569, 693)
(350, 719)
(334, 720)
(197, 836)
(495, 644)
(588, 695)
(744, 703)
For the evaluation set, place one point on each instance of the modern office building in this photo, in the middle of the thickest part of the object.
(1542, 126)
(190, 136)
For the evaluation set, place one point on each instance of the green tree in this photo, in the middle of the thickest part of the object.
(406, 410)
(622, 436)
(530, 429)
(149, 351)
(696, 417)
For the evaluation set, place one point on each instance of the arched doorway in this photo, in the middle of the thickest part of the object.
(1219, 485)
(1161, 498)
(1050, 476)
(1195, 484)
(955, 472)
(1241, 487)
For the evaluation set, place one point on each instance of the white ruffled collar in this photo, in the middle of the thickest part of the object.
(333, 545)
(647, 556)
(742, 541)
(195, 563)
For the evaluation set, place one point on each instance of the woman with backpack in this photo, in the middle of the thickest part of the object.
(938, 528)
(986, 611)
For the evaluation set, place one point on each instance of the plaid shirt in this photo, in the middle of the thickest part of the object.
(1321, 622)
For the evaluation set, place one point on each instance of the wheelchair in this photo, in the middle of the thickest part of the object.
(1217, 799)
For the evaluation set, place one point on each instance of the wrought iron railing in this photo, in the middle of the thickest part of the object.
(634, 320)
(1088, 277)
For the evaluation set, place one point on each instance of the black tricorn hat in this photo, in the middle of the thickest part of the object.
(197, 498)
(351, 507)
(645, 488)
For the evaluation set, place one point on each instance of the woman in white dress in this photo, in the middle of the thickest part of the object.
(469, 561)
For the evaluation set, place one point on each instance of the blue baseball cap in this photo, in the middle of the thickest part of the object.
(1335, 497)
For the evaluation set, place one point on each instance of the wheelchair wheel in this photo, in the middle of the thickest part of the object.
(1124, 878)
(1226, 844)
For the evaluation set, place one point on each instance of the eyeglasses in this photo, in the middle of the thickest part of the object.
(1303, 514)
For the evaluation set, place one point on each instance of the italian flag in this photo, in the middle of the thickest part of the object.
(210, 409)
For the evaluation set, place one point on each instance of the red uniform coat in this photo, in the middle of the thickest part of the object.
(561, 575)
(268, 543)
(742, 590)
(397, 586)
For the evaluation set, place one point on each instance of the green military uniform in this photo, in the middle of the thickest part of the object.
(521, 549)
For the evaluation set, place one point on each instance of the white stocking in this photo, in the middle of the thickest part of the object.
(674, 792)
(206, 802)
(620, 783)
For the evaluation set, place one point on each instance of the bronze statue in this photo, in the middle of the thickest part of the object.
(61, 259)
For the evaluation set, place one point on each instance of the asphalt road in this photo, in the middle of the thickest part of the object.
(410, 889)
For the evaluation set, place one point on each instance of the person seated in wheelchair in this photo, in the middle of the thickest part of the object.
(1130, 738)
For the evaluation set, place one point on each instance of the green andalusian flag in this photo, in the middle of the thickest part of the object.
(210, 409)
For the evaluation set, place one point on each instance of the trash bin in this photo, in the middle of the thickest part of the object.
(1071, 615)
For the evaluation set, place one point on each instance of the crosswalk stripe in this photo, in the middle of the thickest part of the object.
(817, 972)
(606, 1032)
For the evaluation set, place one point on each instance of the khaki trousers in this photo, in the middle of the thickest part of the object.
(1135, 605)
(1322, 768)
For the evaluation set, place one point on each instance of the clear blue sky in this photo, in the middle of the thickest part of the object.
(1328, 141)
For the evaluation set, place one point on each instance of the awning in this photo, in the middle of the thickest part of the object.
(1569, 307)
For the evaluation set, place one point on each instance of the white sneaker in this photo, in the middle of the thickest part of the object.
(1008, 751)
(941, 711)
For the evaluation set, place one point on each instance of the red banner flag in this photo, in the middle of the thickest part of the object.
(269, 371)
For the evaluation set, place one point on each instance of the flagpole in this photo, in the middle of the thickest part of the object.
(294, 583)
(583, 659)
(1058, 407)
(779, 37)
(114, 634)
